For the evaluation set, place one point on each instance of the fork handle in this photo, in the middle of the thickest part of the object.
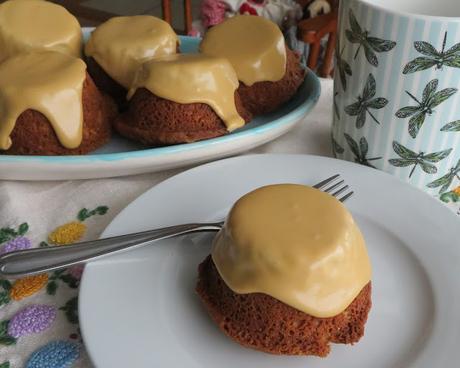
(39, 260)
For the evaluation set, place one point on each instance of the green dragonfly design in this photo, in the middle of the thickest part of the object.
(445, 181)
(371, 45)
(430, 99)
(453, 126)
(360, 151)
(336, 106)
(424, 160)
(366, 102)
(433, 57)
(337, 149)
(342, 66)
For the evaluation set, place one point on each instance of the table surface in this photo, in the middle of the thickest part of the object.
(38, 315)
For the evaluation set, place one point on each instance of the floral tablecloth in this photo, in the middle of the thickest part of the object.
(39, 315)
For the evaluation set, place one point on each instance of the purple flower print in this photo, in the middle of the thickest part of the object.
(32, 319)
(19, 243)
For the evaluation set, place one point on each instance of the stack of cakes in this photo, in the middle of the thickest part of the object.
(243, 67)
(49, 105)
(56, 101)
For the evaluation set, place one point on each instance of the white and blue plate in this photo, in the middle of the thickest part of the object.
(123, 157)
(139, 308)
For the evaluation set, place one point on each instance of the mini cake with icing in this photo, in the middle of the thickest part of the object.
(29, 25)
(289, 273)
(118, 47)
(50, 106)
(182, 98)
(269, 72)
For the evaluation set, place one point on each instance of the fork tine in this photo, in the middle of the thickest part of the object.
(323, 183)
(328, 190)
(341, 190)
(346, 196)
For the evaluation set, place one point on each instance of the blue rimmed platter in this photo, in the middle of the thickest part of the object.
(121, 157)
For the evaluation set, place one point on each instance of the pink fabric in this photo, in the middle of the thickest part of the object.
(212, 12)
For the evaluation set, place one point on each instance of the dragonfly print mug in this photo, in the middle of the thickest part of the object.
(397, 90)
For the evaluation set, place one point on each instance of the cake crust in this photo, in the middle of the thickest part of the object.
(106, 83)
(34, 135)
(155, 121)
(265, 97)
(261, 322)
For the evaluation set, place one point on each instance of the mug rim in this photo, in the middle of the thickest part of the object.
(408, 14)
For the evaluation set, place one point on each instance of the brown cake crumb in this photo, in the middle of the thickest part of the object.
(34, 135)
(155, 121)
(261, 322)
(106, 83)
(264, 97)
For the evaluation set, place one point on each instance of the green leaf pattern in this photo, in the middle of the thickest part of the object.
(5, 339)
(5, 286)
(85, 214)
(8, 233)
(71, 310)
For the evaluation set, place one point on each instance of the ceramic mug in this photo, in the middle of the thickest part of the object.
(397, 90)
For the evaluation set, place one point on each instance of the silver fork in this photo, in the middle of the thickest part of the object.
(35, 261)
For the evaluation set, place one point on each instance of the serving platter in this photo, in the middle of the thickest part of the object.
(139, 308)
(123, 157)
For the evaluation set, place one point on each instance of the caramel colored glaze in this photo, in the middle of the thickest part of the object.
(122, 44)
(296, 244)
(254, 46)
(48, 82)
(265, 97)
(192, 78)
(33, 134)
(29, 25)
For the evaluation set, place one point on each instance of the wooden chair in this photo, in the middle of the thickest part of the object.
(167, 14)
(312, 31)
(89, 16)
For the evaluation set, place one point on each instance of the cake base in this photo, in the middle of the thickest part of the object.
(265, 97)
(261, 322)
(155, 121)
(34, 135)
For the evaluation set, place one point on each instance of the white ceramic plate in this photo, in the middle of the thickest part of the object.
(139, 309)
(123, 157)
